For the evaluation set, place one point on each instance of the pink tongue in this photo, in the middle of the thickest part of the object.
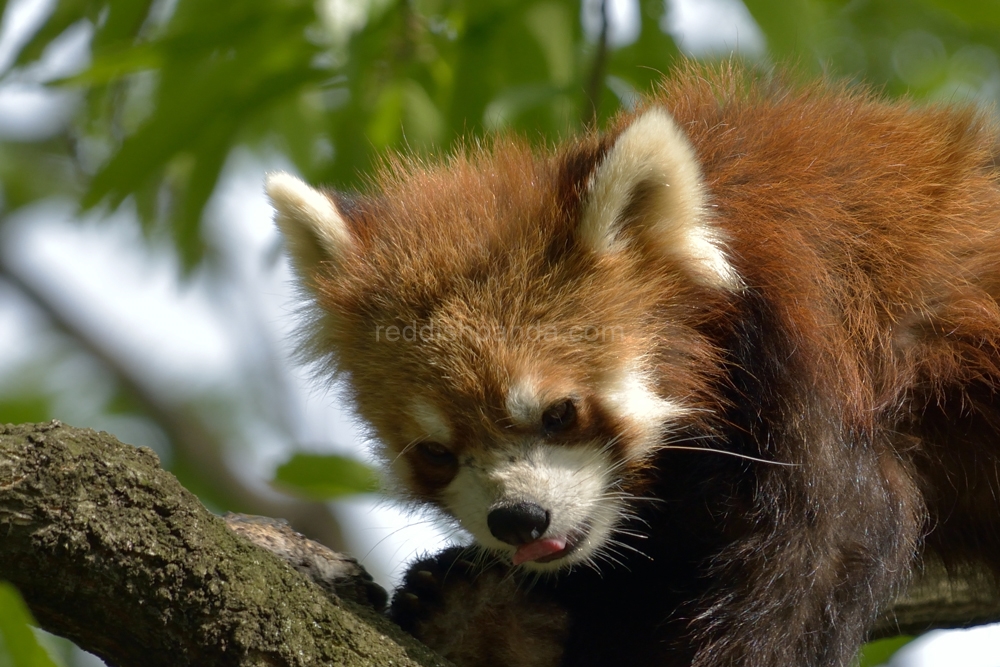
(538, 549)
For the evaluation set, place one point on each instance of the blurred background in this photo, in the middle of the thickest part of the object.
(144, 291)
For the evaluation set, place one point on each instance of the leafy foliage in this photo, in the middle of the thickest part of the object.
(878, 652)
(16, 637)
(170, 90)
(325, 476)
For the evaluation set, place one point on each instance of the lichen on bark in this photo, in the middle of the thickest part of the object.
(112, 552)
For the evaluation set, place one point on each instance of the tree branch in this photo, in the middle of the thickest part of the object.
(110, 551)
(939, 598)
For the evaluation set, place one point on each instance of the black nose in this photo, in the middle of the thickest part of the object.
(517, 523)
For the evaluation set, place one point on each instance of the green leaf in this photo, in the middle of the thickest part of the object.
(510, 103)
(209, 159)
(973, 12)
(24, 408)
(385, 126)
(878, 652)
(551, 24)
(30, 171)
(123, 21)
(791, 27)
(66, 13)
(324, 476)
(15, 629)
(113, 64)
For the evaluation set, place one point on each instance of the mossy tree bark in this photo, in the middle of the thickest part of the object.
(110, 551)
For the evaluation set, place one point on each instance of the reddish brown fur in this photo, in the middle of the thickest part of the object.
(863, 351)
(502, 222)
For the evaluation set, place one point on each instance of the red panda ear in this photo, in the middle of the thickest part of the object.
(315, 231)
(648, 190)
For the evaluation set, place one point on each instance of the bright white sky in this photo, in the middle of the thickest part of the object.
(190, 335)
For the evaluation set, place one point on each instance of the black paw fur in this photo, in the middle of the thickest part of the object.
(422, 593)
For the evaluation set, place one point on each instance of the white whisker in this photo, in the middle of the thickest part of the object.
(728, 453)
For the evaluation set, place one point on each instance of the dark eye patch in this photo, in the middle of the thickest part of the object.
(559, 416)
(436, 454)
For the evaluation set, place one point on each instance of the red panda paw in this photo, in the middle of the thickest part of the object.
(482, 615)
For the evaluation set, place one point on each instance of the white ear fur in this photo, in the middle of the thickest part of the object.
(313, 228)
(653, 160)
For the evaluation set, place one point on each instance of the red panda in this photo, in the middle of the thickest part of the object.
(703, 387)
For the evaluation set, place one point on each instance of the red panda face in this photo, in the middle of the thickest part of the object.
(543, 479)
(517, 329)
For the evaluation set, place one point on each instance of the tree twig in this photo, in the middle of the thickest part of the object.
(596, 84)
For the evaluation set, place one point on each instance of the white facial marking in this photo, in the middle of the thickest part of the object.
(571, 483)
(653, 153)
(629, 396)
(522, 402)
(431, 421)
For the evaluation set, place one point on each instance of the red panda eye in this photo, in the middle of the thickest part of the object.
(559, 416)
(436, 454)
